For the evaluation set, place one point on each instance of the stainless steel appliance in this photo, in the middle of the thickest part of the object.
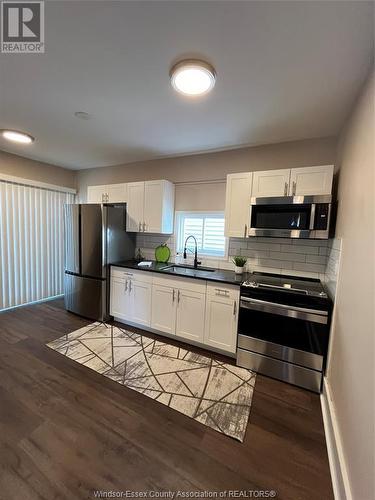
(95, 236)
(283, 328)
(291, 217)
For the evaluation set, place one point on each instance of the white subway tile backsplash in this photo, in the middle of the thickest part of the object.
(302, 249)
(316, 268)
(272, 245)
(288, 256)
(316, 243)
(310, 258)
(316, 259)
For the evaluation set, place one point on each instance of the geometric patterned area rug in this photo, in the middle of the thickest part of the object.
(214, 393)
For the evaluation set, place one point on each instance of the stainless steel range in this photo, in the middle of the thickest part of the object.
(283, 328)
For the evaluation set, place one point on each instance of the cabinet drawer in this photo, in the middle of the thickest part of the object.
(192, 284)
(223, 290)
(124, 273)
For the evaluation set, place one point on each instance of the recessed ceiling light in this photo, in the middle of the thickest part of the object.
(17, 136)
(192, 77)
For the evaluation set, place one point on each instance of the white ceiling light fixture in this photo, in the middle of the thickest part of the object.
(193, 77)
(17, 136)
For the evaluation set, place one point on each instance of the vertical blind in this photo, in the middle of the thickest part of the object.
(31, 243)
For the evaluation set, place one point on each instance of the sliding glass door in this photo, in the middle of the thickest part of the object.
(31, 243)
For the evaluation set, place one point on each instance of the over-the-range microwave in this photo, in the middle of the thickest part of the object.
(291, 217)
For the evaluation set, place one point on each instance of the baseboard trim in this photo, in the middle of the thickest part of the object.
(337, 464)
(46, 299)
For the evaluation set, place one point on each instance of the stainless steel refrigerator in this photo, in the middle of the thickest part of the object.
(95, 236)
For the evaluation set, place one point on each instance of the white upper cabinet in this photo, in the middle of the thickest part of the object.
(311, 180)
(237, 204)
(117, 193)
(96, 194)
(108, 193)
(271, 183)
(150, 207)
(134, 208)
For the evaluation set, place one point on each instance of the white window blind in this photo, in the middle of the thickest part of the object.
(208, 229)
(31, 243)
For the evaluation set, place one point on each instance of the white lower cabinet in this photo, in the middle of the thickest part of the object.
(141, 302)
(163, 315)
(190, 315)
(120, 300)
(130, 297)
(192, 310)
(221, 317)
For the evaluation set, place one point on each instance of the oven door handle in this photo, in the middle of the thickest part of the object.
(313, 315)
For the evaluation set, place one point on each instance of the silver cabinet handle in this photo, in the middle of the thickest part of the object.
(178, 297)
(221, 292)
(140, 227)
(130, 286)
(144, 227)
(245, 231)
(294, 188)
(234, 308)
(107, 197)
(286, 189)
(102, 197)
(173, 294)
(126, 285)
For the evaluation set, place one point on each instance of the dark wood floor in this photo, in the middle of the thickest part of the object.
(66, 431)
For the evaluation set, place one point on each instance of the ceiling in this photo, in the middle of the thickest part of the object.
(286, 71)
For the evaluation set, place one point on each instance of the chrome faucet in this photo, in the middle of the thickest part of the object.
(196, 263)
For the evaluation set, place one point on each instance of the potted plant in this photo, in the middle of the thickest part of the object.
(239, 263)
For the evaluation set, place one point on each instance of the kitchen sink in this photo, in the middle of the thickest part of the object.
(189, 270)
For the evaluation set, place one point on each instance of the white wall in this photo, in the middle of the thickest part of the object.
(212, 167)
(350, 374)
(25, 168)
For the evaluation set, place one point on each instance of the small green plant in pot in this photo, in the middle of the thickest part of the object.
(239, 263)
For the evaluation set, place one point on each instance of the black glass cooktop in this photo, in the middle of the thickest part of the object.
(292, 284)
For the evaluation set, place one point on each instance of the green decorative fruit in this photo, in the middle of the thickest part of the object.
(162, 253)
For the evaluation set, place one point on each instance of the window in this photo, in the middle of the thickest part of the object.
(31, 243)
(208, 229)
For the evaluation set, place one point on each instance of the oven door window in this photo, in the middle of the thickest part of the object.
(280, 216)
(290, 332)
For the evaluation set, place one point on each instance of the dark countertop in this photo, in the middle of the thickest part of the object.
(219, 275)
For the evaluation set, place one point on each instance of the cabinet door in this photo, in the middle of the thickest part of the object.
(140, 302)
(153, 206)
(190, 315)
(117, 193)
(163, 315)
(221, 323)
(271, 183)
(134, 208)
(95, 194)
(311, 180)
(120, 300)
(237, 204)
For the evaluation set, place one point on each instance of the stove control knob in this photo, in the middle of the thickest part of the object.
(323, 294)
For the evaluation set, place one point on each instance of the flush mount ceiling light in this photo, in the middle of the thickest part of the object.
(17, 136)
(193, 77)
